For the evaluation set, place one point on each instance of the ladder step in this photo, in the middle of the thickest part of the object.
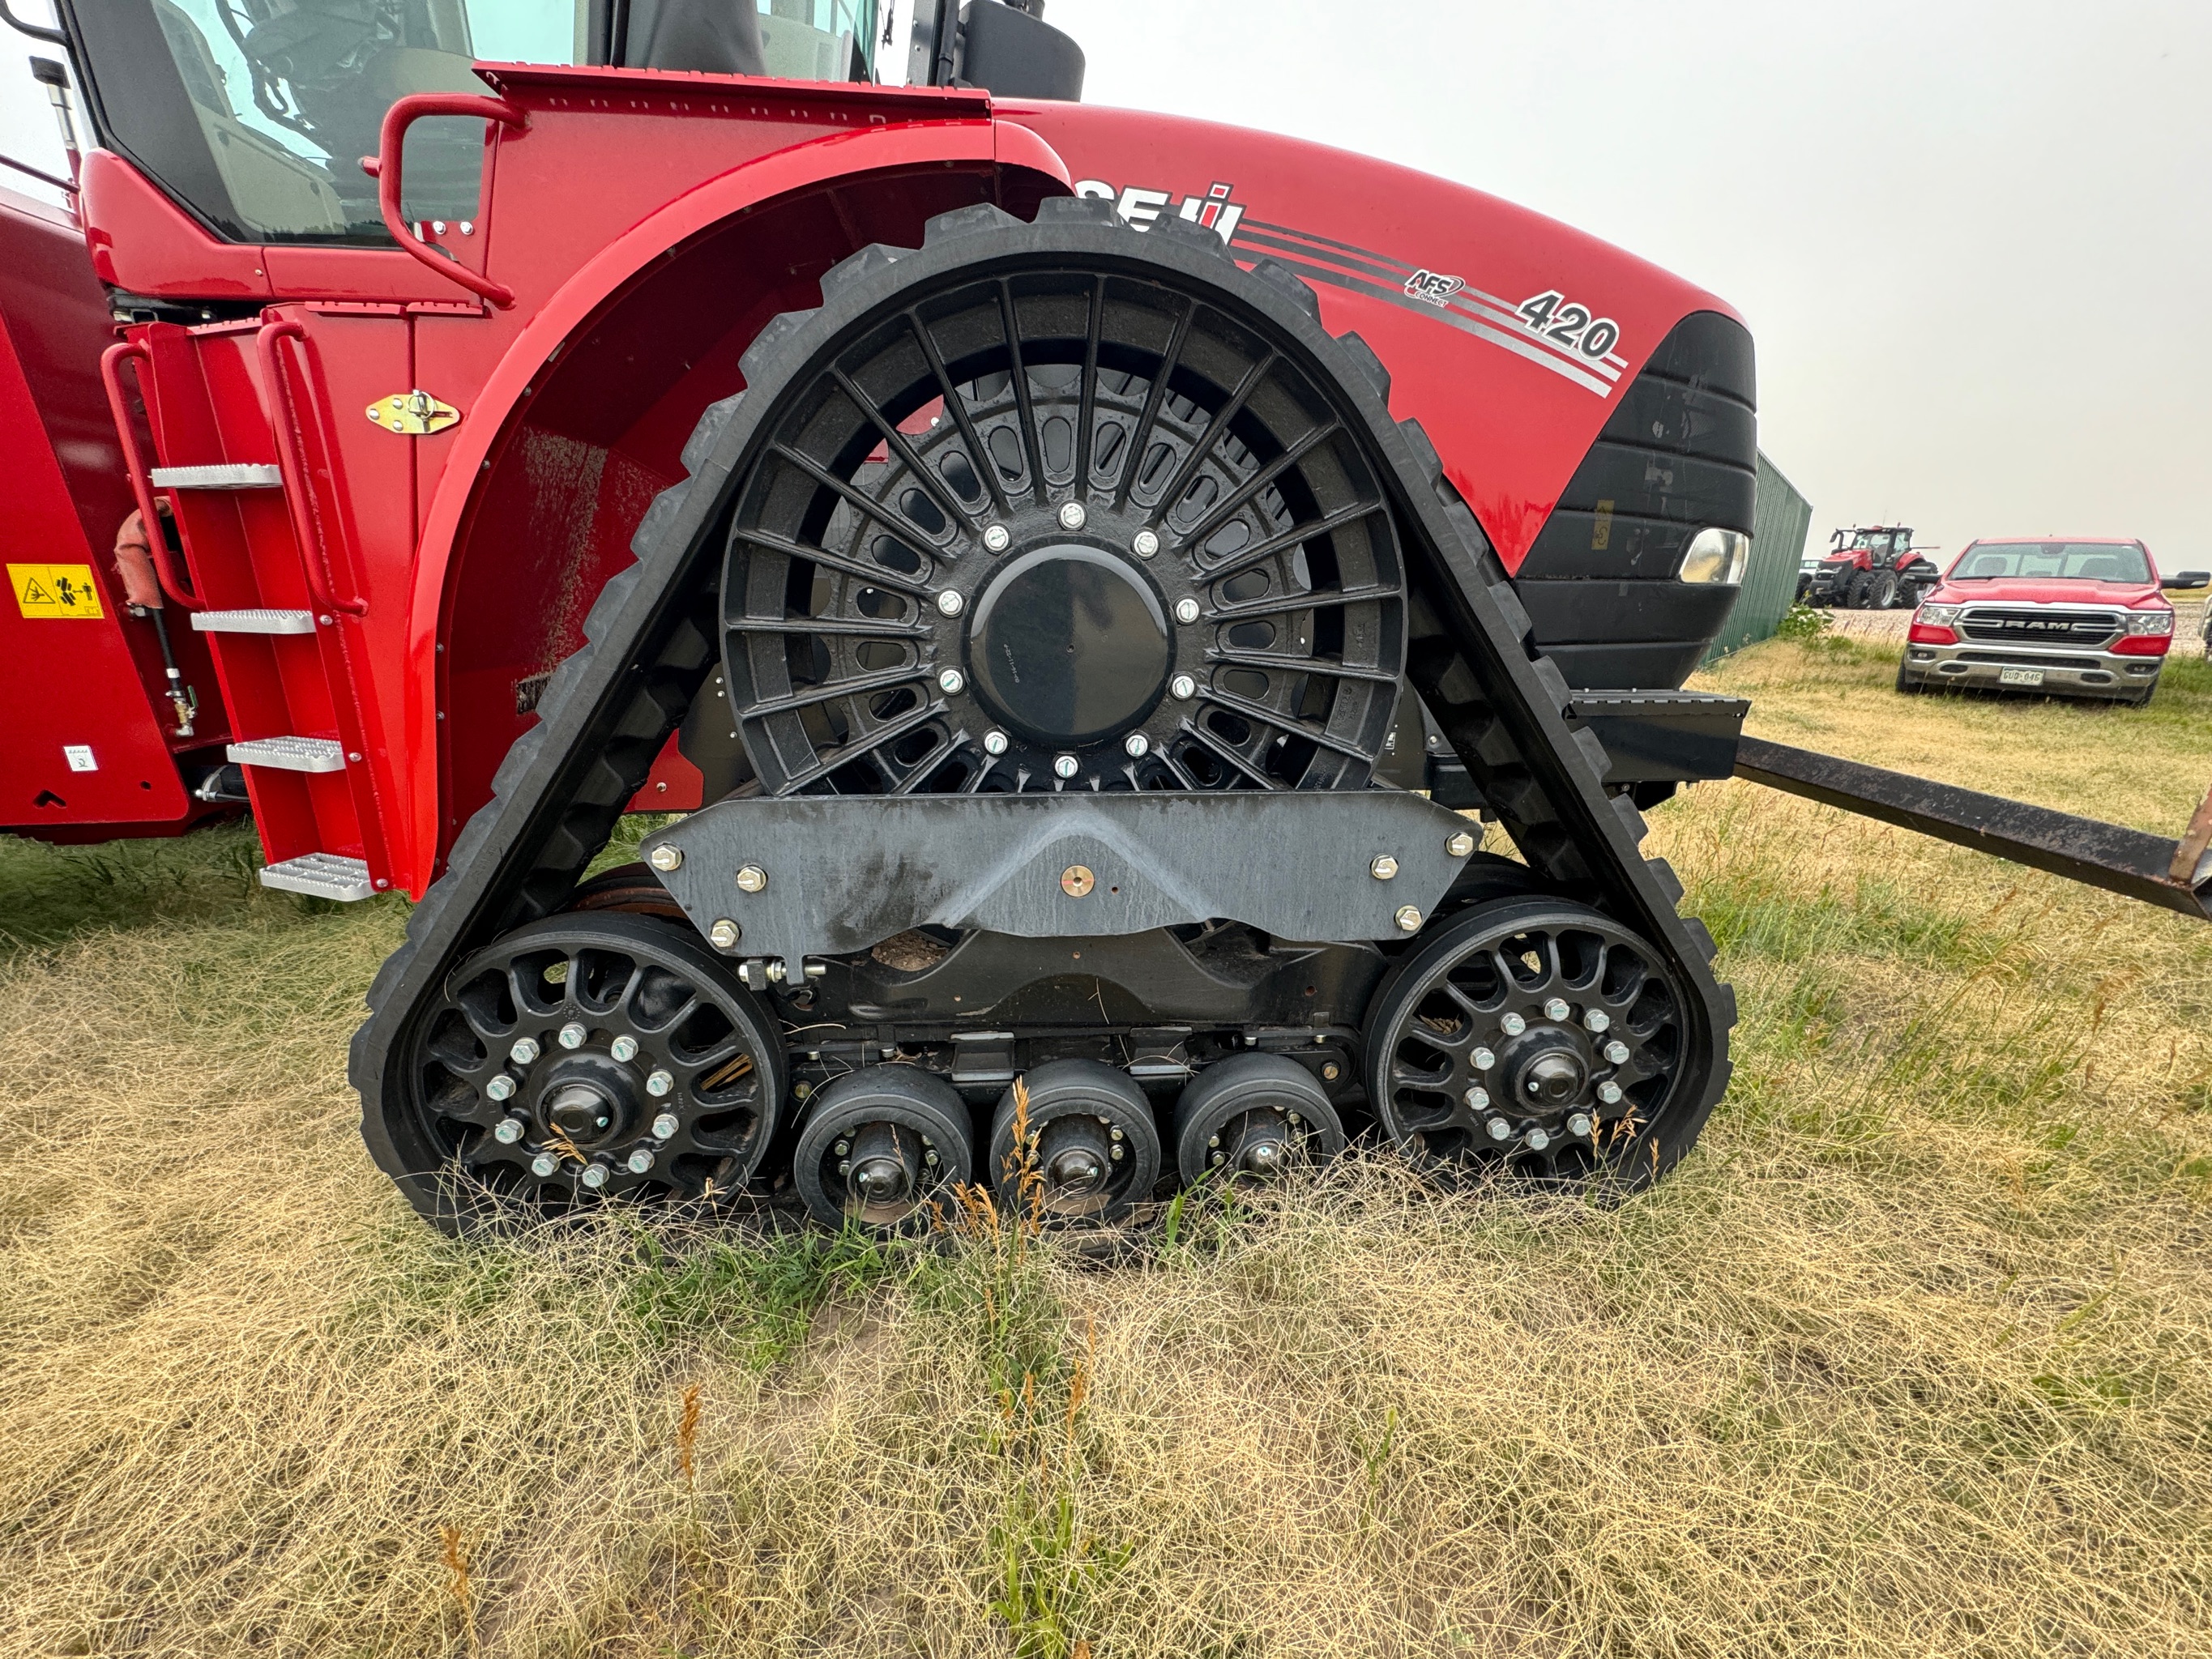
(324, 875)
(254, 622)
(228, 475)
(289, 754)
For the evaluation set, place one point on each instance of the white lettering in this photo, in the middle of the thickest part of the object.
(1140, 207)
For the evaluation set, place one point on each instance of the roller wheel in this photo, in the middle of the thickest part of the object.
(881, 1146)
(1251, 1118)
(1075, 1142)
(590, 1056)
(1536, 1034)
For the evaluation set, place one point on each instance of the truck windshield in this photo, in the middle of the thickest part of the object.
(2087, 561)
(257, 112)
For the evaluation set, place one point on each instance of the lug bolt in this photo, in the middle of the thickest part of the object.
(664, 1126)
(1538, 1140)
(845, 1167)
(1597, 1019)
(666, 858)
(1408, 919)
(543, 1164)
(1579, 1124)
(994, 537)
(1557, 1009)
(623, 1047)
(995, 742)
(1065, 766)
(524, 1050)
(930, 1158)
(1219, 1157)
(1116, 1134)
(1136, 745)
(1071, 516)
(1483, 1060)
(1478, 1098)
(950, 603)
(509, 1131)
(641, 1160)
(1213, 1140)
(1617, 1052)
(951, 682)
(842, 1148)
(1183, 687)
(500, 1087)
(659, 1083)
(572, 1035)
(1293, 1117)
(1120, 1151)
(1609, 1092)
(1499, 1129)
(1458, 844)
(595, 1176)
(1186, 612)
(1145, 544)
(1383, 868)
(1513, 1024)
(725, 934)
(751, 878)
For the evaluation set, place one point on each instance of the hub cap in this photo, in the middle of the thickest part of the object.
(1070, 644)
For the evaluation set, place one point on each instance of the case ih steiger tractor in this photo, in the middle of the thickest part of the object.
(1024, 540)
(1870, 568)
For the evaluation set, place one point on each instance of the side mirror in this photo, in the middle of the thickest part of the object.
(2183, 579)
(1003, 45)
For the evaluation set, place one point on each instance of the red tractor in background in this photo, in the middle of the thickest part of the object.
(1869, 568)
(977, 512)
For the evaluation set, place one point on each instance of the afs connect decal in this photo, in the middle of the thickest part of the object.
(1547, 329)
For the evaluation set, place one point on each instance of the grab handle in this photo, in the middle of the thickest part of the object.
(383, 167)
(292, 465)
(141, 485)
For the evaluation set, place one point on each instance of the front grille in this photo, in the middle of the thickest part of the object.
(2085, 628)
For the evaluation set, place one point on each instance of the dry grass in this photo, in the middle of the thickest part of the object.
(1909, 1359)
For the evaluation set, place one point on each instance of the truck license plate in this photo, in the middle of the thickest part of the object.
(2019, 676)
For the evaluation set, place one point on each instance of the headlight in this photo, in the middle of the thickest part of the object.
(2150, 622)
(1940, 616)
(1715, 556)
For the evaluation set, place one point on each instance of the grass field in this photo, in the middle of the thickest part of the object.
(1910, 1358)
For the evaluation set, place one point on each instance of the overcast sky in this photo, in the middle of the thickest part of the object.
(1971, 237)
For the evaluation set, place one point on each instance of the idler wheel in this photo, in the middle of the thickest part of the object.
(1087, 1150)
(880, 1146)
(1250, 1119)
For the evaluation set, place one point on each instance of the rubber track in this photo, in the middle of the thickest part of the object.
(653, 636)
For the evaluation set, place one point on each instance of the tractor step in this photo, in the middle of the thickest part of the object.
(227, 474)
(289, 754)
(254, 622)
(321, 875)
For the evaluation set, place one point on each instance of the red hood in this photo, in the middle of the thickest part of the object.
(2046, 590)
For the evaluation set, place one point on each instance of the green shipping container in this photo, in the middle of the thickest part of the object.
(1780, 519)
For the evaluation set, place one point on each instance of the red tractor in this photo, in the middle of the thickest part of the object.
(1019, 538)
(1869, 568)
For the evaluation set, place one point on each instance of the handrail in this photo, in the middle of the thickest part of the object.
(36, 31)
(134, 467)
(383, 167)
(291, 463)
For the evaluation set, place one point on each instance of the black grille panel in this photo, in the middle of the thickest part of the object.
(2030, 626)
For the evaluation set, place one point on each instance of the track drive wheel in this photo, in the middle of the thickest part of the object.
(1537, 1035)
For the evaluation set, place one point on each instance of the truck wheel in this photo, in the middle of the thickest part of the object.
(1909, 684)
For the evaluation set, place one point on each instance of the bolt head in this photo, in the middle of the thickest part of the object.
(1556, 1008)
(573, 1035)
(1579, 1124)
(1499, 1129)
(1383, 868)
(1331, 1071)
(623, 1047)
(1145, 544)
(1136, 745)
(659, 1083)
(930, 1158)
(751, 878)
(1597, 1019)
(1065, 766)
(1186, 612)
(1617, 1052)
(1538, 1140)
(725, 934)
(1183, 687)
(1513, 1024)
(1071, 516)
(1609, 1093)
(543, 1164)
(524, 1050)
(1408, 919)
(595, 1176)
(1478, 1098)
(950, 603)
(1459, 844)
(995, 742)
(1483, 1060)
(500, 1087)
(994, 537)
(641, 1160)
(1213, 1140)
(666, 858)
(664, 1126)
(508, 1131)
(1120, 1152)
(951, 682)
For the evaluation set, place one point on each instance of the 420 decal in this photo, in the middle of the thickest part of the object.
(1556, 318)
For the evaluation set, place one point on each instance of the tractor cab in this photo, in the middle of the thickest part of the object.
(1868, 567)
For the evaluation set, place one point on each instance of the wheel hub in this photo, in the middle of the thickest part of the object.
(589, 1099)
(883, 1164)
(1076, 1156)
(1069, 643)
(1547, 1072)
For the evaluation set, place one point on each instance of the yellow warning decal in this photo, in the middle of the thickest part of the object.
(46, 592)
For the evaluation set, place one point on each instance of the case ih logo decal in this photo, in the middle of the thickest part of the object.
(1435, 287)
(1139, 206)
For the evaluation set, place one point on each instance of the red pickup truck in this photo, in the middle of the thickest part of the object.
(2080, 616)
